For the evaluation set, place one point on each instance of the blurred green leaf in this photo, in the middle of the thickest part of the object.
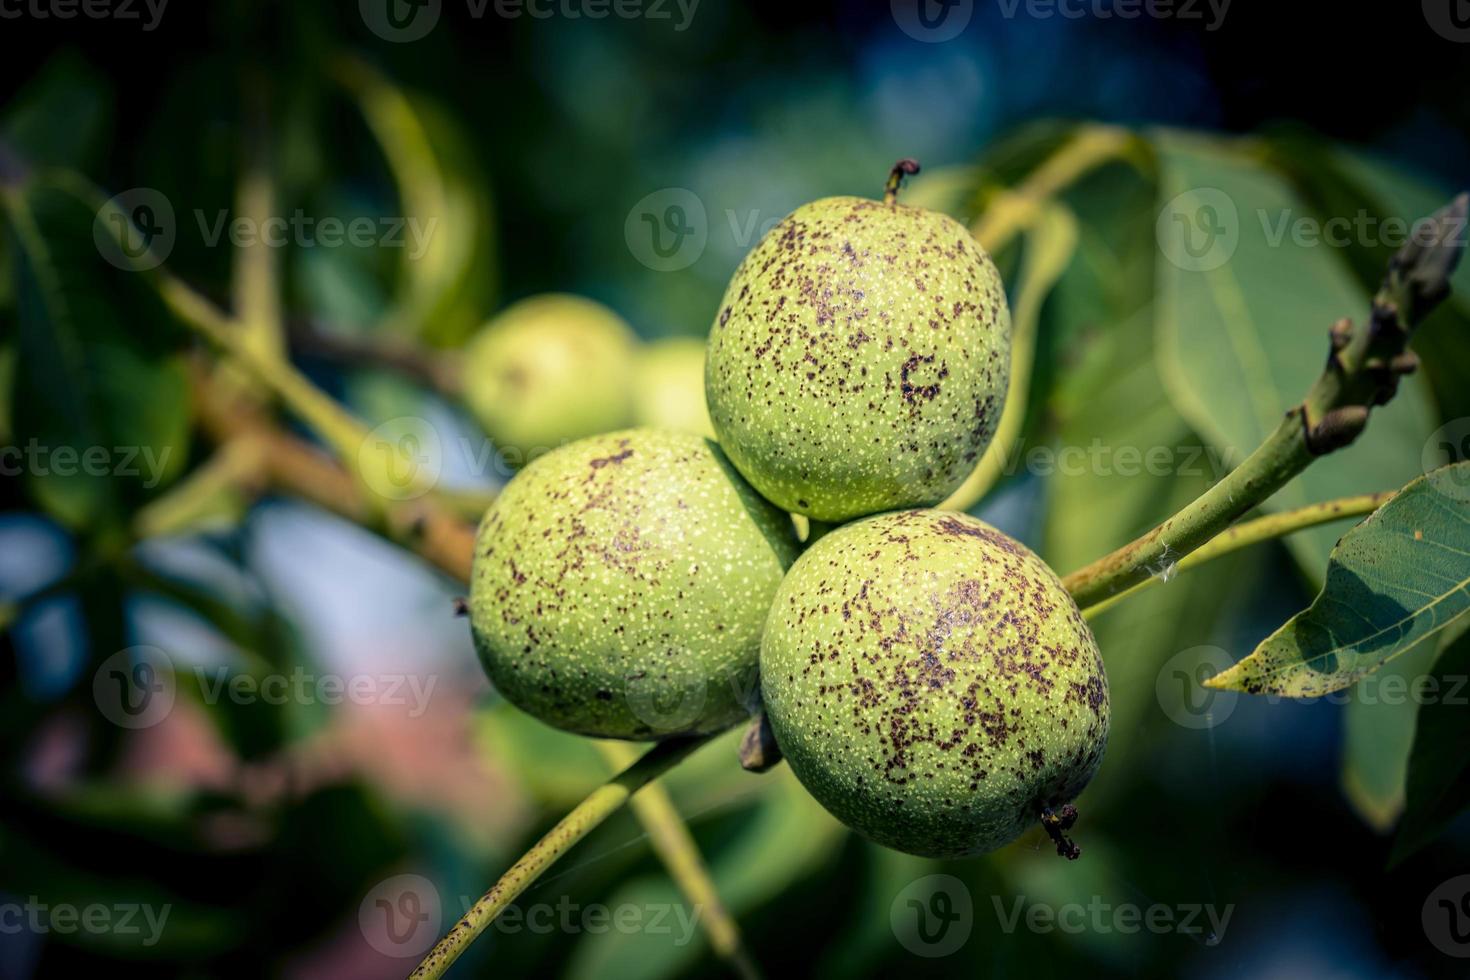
(267, 644)
(1397, 579)
(7, 387)
(1112, 416)
(1378, 732)
(1438, 786)
(555, 767)
(1051, 884)
(1380, 203)
(1389, 195)
(103, 378)
(1050, 242)
(1242, 326)
(447, 260)
(60, 117)
(111, 847)
(949, 190)
(750, 868)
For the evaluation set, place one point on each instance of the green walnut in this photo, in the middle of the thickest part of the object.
(548, 370)
(932, 684)
(621, 583)
(860, 358)
(668, 386)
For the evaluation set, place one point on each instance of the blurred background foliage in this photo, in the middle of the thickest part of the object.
(526, 143)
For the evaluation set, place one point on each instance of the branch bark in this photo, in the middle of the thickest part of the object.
(1363, 370)
(603, 802)
(1261, 529)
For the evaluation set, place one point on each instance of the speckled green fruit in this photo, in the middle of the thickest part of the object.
(668, 386)
(548, 370)
(620, 586)
(859, 360)
(932, 684)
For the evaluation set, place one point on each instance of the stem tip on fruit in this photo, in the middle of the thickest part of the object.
(758, 749)
(1056, 821)
(906, 167)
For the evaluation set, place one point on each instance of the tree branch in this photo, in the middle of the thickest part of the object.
(291, 465)
(676, 847)
(429, 367)
(1254, 532)
(1363, 370)
(604, 801)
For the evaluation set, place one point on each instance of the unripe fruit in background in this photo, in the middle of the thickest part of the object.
(548, 370)
(621, 583)
(668, 386)
(932, 684)
(859, 359)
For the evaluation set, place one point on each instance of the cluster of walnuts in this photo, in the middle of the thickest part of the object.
(927, 678)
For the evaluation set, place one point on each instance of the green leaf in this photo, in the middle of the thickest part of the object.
(949, 190)
(7, 383)
(1387, 194)
(1378, 731)
(1050, 243)
(448, 259)
(1438, 787)
(750, 868)
(1242, 328)
(1099, 321)
(60, 117)
(1397, 579)
(102, 396)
